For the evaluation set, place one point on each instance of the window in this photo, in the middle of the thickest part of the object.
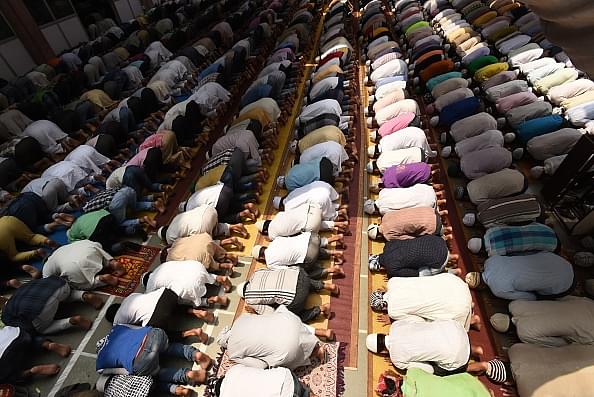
(5, 30)
(39, 11)
(60, 8)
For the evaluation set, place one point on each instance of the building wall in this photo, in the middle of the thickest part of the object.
(14, 58)
(127, 9)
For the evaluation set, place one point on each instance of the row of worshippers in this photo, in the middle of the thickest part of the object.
(523, 264)
(85, 264)
(276, 295)
(226, 191)
(426, 331)
(30, 133)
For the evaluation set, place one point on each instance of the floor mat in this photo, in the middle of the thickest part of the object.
(325, 380)
(137, 259)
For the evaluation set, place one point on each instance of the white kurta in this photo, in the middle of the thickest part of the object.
(187, 279)
(70, 173)
(138, 308)
(206, 196)
(406, 138)
(287, 251)
(47, 134)
(316, 193)
(419, 195)
(78, 262)
(389, 158)
(202, 219)
(87, 157)
(246, 381)
(305, 218)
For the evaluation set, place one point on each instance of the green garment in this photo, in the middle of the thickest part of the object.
(84, 226)
(416, 26)
(481, 62)
(418, 383)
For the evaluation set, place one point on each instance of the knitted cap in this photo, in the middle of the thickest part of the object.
(371, 151)
(373, 231)
(469, 219)
(293, 146)
(446, 152)
(276, 201)
(377, 302)
(369, 167)
(371, 343)
(584, 259)
(473, 279)
(369, 206)
(280, 181)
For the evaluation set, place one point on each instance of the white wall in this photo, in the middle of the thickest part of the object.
(127, 9)
(65, 34)
(14, 53)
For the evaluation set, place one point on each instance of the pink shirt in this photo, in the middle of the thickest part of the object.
(139, 158)
(397, 123)
(509, 102)
(154, 140)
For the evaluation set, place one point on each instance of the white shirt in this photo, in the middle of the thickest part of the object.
(138, 308)
(9, 334)
(318, 108)
(316, 193)
(306, 218)
(389, 112)
(416, 344)
(287, 251)
(246, 381)
(422, 298)
(87, 157)
(202, 219)
(70, 173)
(47, 134)
(419, 195)
(207, 196)
(333, 151)
(406, 138)
(269, 105)
(187, 279)
(210, 95)
(115, 179)
(178, 109)
(388, 158)
(78, 262)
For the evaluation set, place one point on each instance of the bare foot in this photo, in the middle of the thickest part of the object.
(81, 322)
(45, 369)
(477, 351)
(33, 272)
(325, 309)
(225, 283)
(196, 377)
(202, 315)
(197, 332)
(93, 300)
(221, 300)
(109, 279)
(151, 222)
(40, 253)
(159, 206)
(253, 209)
(202, 359)
(13, 283)
(336, 271)
(59, 348)
(182, 391)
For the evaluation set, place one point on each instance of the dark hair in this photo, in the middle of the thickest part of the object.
(265, 227)
(381, 343)
(111, 312)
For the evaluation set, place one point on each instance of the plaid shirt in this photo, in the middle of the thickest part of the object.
(508, 240)
(29, 300)
(221, 158)
(211, 78)
(100, 201)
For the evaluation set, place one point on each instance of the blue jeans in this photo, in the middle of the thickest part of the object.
(124, 200)
(136, 178)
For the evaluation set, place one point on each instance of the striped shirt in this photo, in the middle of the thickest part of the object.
(271, 287)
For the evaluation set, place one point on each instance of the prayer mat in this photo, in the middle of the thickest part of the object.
(137, 259)
(325, 380)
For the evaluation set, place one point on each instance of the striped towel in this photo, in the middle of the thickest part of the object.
(509, 240)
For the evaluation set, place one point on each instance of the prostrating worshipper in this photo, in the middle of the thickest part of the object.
(231, 207)
(409, 223)
(189, 280)
(406, 175)
(129, 350)
(417, 257)
(274, 382)
(13, 230)
(317, 193)
(405, 138)
(152, 309)
(516, 210)
(202, 219)
(121, 201)
(504, 183)
(439, 347)
(392, 199)
(55, 194)
(136, 178)
(246, 141)
(76, 178)
(305, 173)
(542, 275)
(33, 306)
(202, 248)
(172, 154)
(52, 139)
(514, 240)
(87, 157)
(302, 250)
(17, 347)
(85, 265)
(266, 289)
(415, 298)
(32, 210)
(99, 226)
(305, 218)
(549, 323)
(295, 344)
(387, 159)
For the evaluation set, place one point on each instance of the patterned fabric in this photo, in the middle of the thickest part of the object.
(129, 386)
(271, 286)
(29, 300)
(509, 210)
(221, 158)
(507, 240)
(100, 201)
(211, 78)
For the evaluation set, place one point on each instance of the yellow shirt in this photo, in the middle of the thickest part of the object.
(321, 135)
(211, 178)
(98, 98)
(486, 72)
(255, 114)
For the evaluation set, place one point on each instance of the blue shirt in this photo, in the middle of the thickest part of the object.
(302, 174)
(388, 80)
(120, 347)
(528, 276)
(256, 93)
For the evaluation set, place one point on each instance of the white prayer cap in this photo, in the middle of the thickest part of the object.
(500, 322)
(260, 225)
(475, 244)
(584, 259)
(469, 219)
(374, 136)
(446, 152)
(280, 181)
(509, 137)
(276, 201)
(256, 251)
(369, 206)
(371, 151)
(182, 206)
(371, 342)
(293, 146)
(161, 232)
(373, 231)
(240, 288)
(369, 167)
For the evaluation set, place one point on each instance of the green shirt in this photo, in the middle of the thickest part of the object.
(418, 383)
(85, 225)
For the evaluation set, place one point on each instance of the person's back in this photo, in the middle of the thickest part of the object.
(241, 380)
